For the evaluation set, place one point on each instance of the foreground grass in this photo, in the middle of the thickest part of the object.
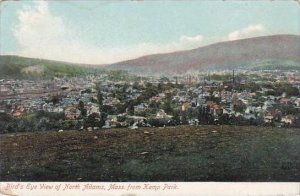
(185, 153)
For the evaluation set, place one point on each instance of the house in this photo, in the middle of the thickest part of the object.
(92, 108)
(194, 102)
(193, 121)
(58, 109)
(227, 84)
(297, 102)
(111, 121)
(72, 113)
(18, 111)
(249, 116)
(185, 105)
(250, 109)
(155, 99)
(111, 101)
(217, 109)
(206, 94)
(140, 108)
(268, 105)
(200, 101)
(162, 95)
(288, 120)
(245, 101)
(268, 118)
(216, 94)
(5, 89)
(285, 101)
(161, 114)
(227, 111)
(235, 99)
(267, 90)
(135, 119)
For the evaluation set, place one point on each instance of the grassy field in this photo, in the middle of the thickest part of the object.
(185, 153)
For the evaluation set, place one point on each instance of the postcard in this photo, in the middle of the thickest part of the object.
(142, 97)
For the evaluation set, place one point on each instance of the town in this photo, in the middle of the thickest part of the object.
(118, 99)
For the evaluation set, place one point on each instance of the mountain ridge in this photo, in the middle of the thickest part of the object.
(258, 53)
(221, 55)
(13, 66)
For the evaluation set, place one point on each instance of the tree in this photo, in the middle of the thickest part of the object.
(100, 98)
(184, 117)
(54, 98)
(224, 119)
(204, 115)
(167, 104)
(5, 119)
(176, 117)
(81, 108)
(292, 91)
(240, 107)
(93, 120)
(107, 109)
(103, 117)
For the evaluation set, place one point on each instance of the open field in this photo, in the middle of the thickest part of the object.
(184, 153)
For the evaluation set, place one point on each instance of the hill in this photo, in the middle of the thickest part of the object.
(267, 52)
(22, 67)
(183, 153)
(259, 53)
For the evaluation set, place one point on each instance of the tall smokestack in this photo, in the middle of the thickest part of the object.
(233, 79)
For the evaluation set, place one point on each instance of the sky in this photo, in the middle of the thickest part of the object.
(104, 32)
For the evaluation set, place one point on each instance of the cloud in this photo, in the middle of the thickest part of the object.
(183, 43)
(147, 48)
(196, 39)
(250, 31)
(40, 34)
(191, 42)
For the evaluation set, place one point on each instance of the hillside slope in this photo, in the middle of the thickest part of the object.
(277, 50)
(20, 67)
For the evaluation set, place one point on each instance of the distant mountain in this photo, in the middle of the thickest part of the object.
(23, 67)
(267, 52)
(259, 53)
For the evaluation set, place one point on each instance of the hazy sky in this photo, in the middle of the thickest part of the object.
(110, 31)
